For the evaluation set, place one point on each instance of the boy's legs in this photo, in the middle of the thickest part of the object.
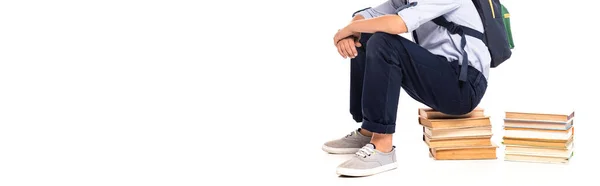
(357, 75)
(392, 62)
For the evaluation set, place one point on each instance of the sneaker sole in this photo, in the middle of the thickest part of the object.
(366, 172)
(333, 150)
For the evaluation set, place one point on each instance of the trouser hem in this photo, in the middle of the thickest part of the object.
(378, 127)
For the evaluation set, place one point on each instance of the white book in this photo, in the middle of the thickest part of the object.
(537, 151)
(538, 134)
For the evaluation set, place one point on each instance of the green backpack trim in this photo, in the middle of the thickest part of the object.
(506, 18)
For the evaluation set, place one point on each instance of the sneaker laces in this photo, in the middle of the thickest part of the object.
(364, 152)
(352, 133)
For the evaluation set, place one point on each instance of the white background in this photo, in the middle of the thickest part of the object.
(245, 92)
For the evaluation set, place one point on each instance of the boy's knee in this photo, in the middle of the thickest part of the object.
(377, 39)
(378, 44)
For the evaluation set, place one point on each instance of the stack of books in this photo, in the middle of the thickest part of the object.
(457, 137)
(538, 137)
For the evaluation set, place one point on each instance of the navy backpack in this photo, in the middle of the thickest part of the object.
(496, 36)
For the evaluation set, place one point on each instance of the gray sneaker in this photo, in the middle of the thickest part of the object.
(368, 161)
(347, 145)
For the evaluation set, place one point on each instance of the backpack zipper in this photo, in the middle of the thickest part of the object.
(492, 7)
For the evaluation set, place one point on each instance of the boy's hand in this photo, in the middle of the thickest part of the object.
(342, 34)
(347, 47)
(346, 43)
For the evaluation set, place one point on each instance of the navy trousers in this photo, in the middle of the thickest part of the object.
(386, 63)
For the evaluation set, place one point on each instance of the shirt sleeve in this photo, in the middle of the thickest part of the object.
(388, 7)
(426, 10)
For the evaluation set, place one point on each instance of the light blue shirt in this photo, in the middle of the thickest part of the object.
(437, 39)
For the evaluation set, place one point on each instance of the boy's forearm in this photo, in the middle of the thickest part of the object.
(357, 17)
(392, 24)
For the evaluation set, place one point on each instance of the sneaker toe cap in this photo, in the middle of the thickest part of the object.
(336, 144)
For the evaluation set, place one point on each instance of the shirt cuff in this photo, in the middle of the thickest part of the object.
(411, 18)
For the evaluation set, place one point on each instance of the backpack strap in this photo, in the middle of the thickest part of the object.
(415, 37)
(454, 28)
